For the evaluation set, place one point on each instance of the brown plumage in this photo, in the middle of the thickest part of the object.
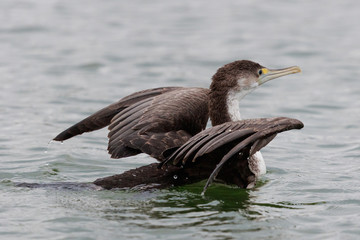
(228, 140)
(142, 120)
(168, 124)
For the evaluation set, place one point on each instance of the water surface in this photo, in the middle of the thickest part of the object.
(63, 60)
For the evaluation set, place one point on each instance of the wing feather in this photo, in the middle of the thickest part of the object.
(268, 128)
(226, 140)
(184, 151)
(221, 140)
(103, 117)
(159, 123)
(150, 121)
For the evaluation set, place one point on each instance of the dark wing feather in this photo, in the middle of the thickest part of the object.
(229, 139)
(184, 151)
(149, 121)
(221, 140)
(159, 123)
(258, 140)
(103, 117)
(260, 143)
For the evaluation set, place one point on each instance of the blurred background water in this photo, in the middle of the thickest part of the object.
(63, 60)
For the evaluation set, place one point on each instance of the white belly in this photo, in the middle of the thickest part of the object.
(257, 164)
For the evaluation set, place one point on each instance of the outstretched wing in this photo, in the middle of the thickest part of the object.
(226, 140)
(103, 117)
(149, 121)
(158, 124)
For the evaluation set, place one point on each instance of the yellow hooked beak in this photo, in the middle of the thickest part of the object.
(269, 74)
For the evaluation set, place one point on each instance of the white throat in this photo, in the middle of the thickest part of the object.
(256, 161)
(233, 99)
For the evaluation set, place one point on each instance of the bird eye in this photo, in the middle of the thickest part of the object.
(260, 72)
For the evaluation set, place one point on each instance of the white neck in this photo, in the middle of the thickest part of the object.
(233, 99)
(256, 161)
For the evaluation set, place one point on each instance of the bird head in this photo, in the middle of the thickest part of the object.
(246, 75)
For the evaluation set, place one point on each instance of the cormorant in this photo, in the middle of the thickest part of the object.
(168, 124)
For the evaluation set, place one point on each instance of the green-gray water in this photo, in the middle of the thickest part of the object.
(63, 60)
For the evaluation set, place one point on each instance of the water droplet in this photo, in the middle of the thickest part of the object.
(175, 176)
